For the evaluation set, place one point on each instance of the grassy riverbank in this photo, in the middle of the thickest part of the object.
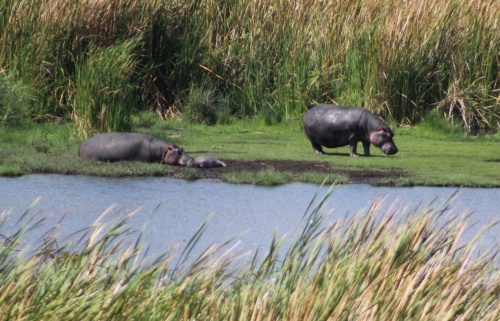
(374, 266)
(433, 154)
(101, 65)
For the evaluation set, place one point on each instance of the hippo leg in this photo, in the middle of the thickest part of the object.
(366, 147)
(353, 146)
(318, 150)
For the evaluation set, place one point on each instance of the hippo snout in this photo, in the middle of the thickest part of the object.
(185, 160)
(175, 155)
(389, 149)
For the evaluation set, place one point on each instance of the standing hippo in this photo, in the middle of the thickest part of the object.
(112, 147)
(205, 162)
(334, 126)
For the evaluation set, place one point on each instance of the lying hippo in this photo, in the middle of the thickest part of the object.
(112, 147)
(201, 161)
(205, 162)
(334, 126)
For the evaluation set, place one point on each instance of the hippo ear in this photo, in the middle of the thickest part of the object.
(386, 131)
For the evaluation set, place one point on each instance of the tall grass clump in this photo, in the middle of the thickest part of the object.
(406, 264)
(204, 105)
(270, 58)
(16, 101)
(105, 98)
(400, 59)
(56, 45)
(441, 55)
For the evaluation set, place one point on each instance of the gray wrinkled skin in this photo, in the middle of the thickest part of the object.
(205, 162)
(334, 126)
(113, 147)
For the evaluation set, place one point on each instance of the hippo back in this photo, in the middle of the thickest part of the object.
(113, 147)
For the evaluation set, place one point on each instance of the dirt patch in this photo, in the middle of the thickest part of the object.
(298, 167)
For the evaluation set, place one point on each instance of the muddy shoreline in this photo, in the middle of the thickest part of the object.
(299, 167)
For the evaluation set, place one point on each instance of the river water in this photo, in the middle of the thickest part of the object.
(169, 211)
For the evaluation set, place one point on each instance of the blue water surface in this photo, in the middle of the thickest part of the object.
(169, 211)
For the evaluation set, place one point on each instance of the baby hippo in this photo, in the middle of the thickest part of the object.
(198, 162)
(205, 162)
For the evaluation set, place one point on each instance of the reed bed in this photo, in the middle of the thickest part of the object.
(405, 264)
(270, 58)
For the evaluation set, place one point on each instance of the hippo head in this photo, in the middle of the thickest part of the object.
(382, 138)
(174, 155)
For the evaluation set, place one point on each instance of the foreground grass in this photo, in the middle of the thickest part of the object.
(374, 266)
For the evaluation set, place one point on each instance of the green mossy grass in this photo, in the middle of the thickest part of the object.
(434, 158)
(320, 178)
(266, 177)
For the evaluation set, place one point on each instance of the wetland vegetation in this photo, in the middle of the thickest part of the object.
(96, 63)
(212, 76)
(373, 266)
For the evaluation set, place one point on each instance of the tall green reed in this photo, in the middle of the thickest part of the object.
(16, 101)
(395, 58)
(271, 58)
(105, 96)
(46, 43)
